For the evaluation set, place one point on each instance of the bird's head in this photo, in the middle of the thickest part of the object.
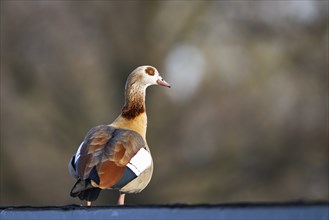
(147, 76)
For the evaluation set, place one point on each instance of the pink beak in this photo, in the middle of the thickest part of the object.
(161, 82)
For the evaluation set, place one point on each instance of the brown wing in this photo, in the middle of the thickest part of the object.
(104, 154)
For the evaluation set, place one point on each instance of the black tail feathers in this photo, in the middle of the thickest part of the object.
(85, 191)
(89, 194)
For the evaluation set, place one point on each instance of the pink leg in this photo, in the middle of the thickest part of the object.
(121, 200)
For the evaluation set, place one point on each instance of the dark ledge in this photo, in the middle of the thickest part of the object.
(231, 211)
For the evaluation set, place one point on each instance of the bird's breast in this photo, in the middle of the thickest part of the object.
(138, 124)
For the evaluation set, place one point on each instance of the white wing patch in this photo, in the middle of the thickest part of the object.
(140, 162)
(77, 154)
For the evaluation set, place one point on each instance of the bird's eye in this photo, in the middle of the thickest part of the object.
(150, 71)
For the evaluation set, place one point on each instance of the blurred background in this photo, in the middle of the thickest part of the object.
(246, 118)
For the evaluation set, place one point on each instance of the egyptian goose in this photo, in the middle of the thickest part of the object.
(116, 156)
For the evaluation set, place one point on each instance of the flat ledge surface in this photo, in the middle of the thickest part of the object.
(232, 211)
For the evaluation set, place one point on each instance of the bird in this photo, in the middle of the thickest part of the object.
(116, 156)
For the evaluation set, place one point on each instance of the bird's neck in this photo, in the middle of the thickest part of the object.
(133, 115)
(135, 102)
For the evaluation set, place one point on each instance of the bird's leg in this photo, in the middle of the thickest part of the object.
(88, 203)
(121, 200)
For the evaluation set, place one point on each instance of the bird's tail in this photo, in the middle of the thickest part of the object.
(85, 191)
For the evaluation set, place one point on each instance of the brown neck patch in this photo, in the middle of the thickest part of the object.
(133, 108)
